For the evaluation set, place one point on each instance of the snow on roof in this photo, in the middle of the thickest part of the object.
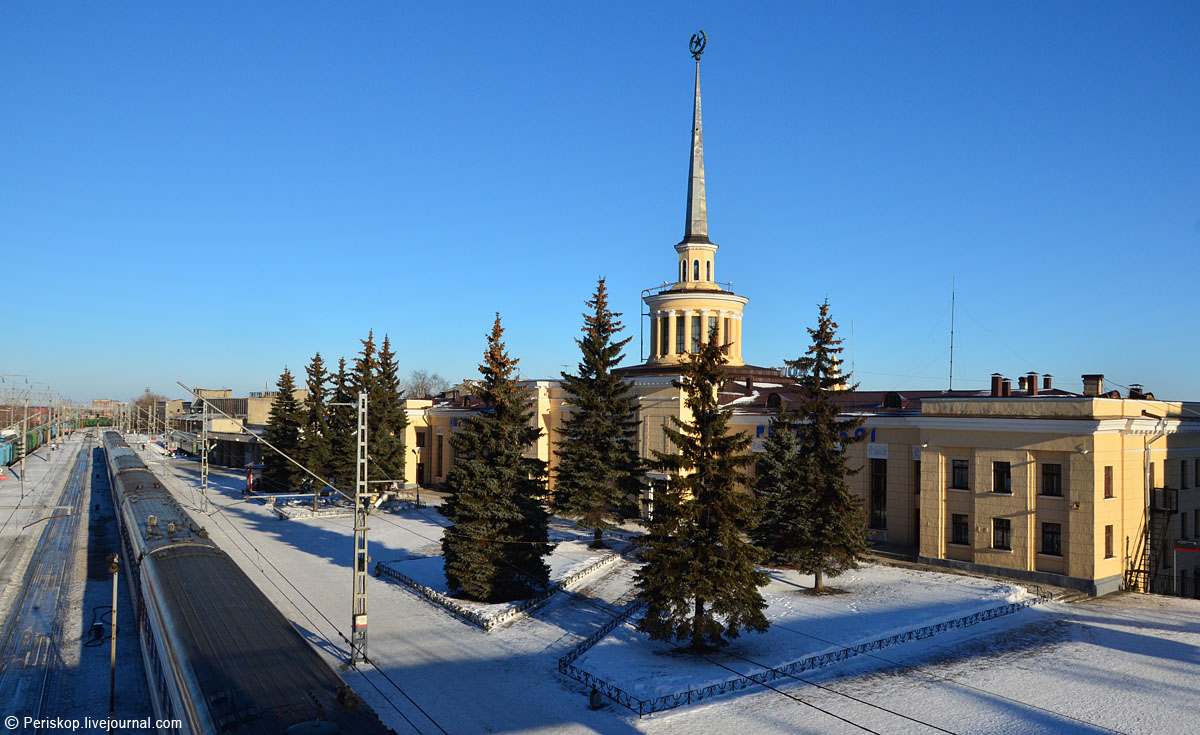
(743, 400)
(759, 385)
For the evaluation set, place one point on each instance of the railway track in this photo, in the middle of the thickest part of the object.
(29, 644)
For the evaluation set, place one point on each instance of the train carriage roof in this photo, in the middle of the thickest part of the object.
(126, 461)
(254, 668)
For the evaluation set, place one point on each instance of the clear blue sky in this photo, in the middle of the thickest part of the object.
(208, 192)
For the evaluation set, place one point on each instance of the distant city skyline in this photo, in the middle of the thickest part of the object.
(209, 194)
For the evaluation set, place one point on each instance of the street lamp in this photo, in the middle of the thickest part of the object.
(417, 473)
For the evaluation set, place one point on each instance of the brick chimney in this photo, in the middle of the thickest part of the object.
(1046, 381)
(996, 378)
(1093, 385)
(1031, 387)
(1137, 391)
(1005, 388)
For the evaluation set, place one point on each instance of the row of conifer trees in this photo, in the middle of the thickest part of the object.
(700, 580)
(706, 537)
(320, 431)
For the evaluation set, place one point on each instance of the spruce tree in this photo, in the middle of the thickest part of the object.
(315, 441)
(494, 547)
(343, 429)
(831, 537)
(386, 418)
(597, 480)
(781, 496)
(283, 431)
(699, 581)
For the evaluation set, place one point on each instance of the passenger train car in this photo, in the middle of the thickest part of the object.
(218, 655)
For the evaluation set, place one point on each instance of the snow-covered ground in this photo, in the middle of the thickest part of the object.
(878, 601)
(1126, 663)
(24, 502)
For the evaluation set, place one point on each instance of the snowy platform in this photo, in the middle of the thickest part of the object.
(880, 607)
(569, 564)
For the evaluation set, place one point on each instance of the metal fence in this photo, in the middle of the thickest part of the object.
(1182, 585)
(670, 701)
(474, 617)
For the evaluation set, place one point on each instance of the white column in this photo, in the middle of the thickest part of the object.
(654, 326)
(737, 340)
(670, 315)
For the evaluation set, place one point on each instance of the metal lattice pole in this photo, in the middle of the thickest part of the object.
(358, 620)
(204, 459)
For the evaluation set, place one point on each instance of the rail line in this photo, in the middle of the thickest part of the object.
(29, 646)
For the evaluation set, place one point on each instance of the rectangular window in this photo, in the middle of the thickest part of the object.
(439, 455)
(680, 335)
(959, 474)
(712, 326)
(727, 338)
(916, 477)
(1183, 525)
(1052, 539)
(879, 493)
(959, 532)
(1052, 480)
(1108, 542)
(1001, 534)
(1001, 477)
(664, 334)
(695, 334)
(1183, 473)
(1108, 481)
(420, 439)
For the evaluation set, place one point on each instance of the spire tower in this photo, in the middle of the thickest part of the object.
(695, 308)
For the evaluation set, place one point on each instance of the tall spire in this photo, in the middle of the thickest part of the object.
(696, 226)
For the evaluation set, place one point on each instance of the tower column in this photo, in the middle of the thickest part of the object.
(737, 328)
(653, 335)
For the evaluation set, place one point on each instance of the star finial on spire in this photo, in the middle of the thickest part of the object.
(696, 223)
(696, 45)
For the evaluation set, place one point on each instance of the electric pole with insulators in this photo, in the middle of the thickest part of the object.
(362, 503)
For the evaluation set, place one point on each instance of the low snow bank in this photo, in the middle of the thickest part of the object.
(881, 606)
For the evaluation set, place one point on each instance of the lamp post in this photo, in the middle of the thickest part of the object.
(113, 566)
(417, 473)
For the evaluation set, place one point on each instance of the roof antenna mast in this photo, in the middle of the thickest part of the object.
(952, 285)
